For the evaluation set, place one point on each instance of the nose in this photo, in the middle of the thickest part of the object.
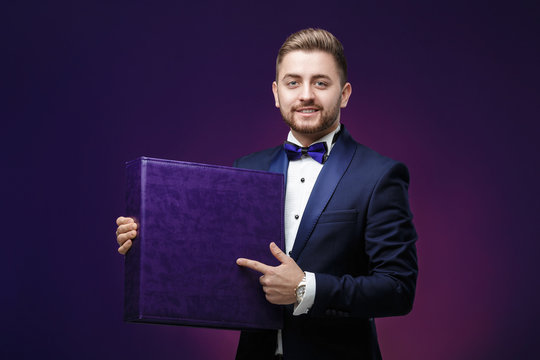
(306, 93)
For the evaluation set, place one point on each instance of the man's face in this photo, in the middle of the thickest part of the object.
(309, 94)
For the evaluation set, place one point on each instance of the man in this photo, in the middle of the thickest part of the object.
(349, 238)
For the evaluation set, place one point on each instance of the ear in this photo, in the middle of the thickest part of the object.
(276, 97)
(345, 94)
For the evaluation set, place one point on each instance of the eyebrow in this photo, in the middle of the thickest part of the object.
(317, 76)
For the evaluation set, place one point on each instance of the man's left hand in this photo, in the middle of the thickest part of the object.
(278, 282)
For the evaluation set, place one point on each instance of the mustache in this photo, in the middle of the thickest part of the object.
(310, 103)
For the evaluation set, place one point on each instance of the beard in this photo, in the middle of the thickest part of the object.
(327, 118)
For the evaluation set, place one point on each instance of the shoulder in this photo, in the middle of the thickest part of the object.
(374, 165)
(374, 159)
(259, 160)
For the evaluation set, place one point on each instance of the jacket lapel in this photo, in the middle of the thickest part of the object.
(330, 175)
(280, 164)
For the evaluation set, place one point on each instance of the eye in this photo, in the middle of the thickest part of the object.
(292, 83)
(321, 84)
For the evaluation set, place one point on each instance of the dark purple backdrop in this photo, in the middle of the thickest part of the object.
(451, 90)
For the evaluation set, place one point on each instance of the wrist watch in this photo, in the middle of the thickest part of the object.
(300, 289)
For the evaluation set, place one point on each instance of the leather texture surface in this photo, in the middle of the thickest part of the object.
(195, 220)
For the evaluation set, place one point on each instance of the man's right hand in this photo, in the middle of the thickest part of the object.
(127, 230)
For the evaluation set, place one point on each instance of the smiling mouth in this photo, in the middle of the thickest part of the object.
(307, 111)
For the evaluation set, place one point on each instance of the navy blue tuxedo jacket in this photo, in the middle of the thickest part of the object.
(357, 236)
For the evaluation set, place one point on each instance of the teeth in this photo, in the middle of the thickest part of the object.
(307, 111)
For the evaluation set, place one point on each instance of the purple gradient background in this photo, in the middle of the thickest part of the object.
(452, 90)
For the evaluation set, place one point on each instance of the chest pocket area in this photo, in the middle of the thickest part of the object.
(338, 216)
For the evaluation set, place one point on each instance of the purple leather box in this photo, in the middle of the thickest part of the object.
(195, 220)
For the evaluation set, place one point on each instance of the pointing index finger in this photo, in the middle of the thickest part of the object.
(253, 265)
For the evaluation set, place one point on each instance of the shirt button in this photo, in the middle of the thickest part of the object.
(296, 217)
(302, 179)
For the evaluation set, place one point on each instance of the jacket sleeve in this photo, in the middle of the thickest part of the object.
(389, 237)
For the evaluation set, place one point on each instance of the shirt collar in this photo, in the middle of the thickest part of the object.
(327, 138)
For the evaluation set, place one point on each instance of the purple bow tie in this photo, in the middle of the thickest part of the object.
(317, 151)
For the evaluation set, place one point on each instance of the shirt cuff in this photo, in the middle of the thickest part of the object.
(309, 296)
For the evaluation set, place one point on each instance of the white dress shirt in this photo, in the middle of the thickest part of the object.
(301, 177)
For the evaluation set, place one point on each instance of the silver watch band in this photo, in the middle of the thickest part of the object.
(300, 289)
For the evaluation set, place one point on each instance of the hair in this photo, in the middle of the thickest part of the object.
(315, 39)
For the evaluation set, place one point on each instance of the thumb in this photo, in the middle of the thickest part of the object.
(278, 254)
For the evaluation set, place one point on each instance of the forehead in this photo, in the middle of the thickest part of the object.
(308, 63)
